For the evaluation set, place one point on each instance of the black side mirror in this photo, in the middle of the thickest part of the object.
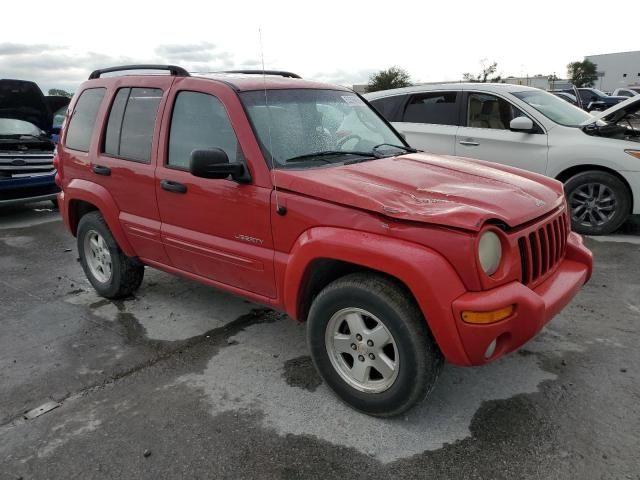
(214, 163)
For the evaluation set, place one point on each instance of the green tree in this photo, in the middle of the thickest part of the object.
(394, 77)
(582, 74)
(486, 75)
(60, 93)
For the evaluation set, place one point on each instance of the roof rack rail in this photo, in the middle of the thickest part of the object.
(279, 73)
(173, 70)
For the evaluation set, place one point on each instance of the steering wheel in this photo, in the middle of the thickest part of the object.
(345, 139)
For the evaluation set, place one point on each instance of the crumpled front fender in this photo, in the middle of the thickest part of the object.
(427, 274)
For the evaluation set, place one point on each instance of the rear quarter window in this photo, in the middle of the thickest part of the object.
(83, 119)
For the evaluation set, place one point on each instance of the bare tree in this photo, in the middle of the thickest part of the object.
(486, 75)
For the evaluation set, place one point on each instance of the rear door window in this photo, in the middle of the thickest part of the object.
(84, 119)
(131, 123)
(433, 107)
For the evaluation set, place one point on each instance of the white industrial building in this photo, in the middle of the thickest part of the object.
(544, 82)
(616, 70)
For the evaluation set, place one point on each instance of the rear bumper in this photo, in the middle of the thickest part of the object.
(533, 307)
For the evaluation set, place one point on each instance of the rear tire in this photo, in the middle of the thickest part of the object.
(408, 357)
(599, 202)
(112, 273)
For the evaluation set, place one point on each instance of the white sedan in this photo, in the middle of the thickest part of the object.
(626, 92)
(597, 157)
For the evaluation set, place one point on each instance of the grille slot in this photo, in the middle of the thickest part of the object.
(542, 248)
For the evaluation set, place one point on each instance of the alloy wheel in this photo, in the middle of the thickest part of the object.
(362, 350)
(592, 204)
(98, 256)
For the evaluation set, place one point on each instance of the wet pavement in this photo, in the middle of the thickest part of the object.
(186, 381)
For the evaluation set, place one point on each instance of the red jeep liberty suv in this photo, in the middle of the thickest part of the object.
(298, 195)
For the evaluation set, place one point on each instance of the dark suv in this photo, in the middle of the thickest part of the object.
(594, 99)
(26, 148)
(298, 195)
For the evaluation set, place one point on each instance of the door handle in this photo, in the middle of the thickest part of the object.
(470, 142)
(171, 186)
(101, 170)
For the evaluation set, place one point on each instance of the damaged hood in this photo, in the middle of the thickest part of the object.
(450, 191)
(618, 111)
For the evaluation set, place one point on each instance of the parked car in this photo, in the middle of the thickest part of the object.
(527, 128)
(297, 195)
(621, 121)
(567, 97)
(58, 107)
(594, 99)
(627, 92)
(26, 149)
(574, 98)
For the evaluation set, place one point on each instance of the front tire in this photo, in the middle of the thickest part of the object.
(599, 202)
(112, 273)
(371, 345)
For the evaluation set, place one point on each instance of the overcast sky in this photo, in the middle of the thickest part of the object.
(58, 43)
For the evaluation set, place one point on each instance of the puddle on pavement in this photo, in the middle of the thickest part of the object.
(166, 308)
(266, 368)
(258, 374)
(300, 372)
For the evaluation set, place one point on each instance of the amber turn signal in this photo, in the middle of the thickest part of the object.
(633, 153)
(488, 317)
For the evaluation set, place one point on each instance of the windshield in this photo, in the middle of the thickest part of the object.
(12, 127)
(295, 124)
(554, 108)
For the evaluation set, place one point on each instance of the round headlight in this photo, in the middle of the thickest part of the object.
(489, 252)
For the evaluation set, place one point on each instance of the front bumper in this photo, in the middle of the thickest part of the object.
(28, 189)
(633, 179)
(533, 307)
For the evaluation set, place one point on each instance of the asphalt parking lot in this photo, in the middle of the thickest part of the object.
(183, 381)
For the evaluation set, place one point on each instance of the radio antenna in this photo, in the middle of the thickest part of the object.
(279, 209)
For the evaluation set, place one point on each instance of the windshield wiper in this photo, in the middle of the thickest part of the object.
(399, 147)
(328, 153)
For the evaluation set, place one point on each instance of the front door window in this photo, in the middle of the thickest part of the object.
(489, 111)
